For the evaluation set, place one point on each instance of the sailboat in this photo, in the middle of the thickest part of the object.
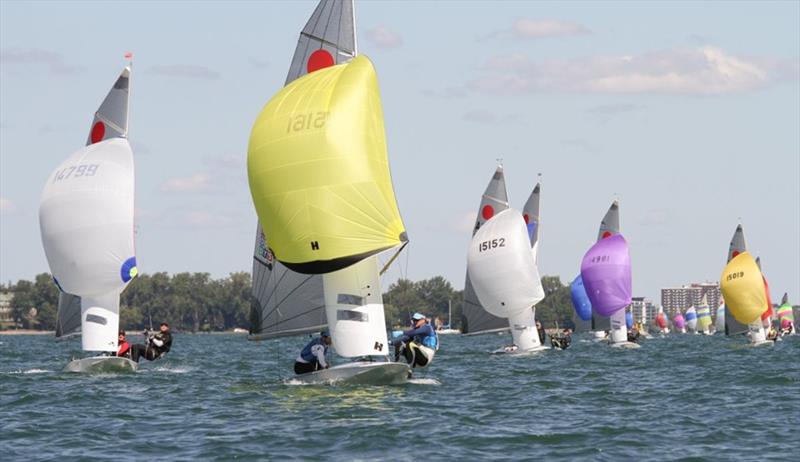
(320, 182)
(690, 315)
(476, 319)
(704, 317)
(719, 322)
(743, 288)
(786, 316)
(448, 329)
(606, 275)
(737, 246)
(86, 221)
(680, 323)
(661, 322)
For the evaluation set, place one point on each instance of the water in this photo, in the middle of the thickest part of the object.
(220, 397)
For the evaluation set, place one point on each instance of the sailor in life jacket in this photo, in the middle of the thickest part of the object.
(418, 345)
(157, 345)
(312, 356)
(124, 347)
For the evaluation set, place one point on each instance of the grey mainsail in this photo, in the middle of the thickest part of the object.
(737, 246)
(287, 302)
(475, 319)
(68, 317)
(532, 217)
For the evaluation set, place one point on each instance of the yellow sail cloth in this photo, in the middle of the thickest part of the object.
(319, 171)
(743, 288)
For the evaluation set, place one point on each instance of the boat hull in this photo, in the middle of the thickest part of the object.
(625, 345)
(361, 372)
(517, 352)
(101, 364)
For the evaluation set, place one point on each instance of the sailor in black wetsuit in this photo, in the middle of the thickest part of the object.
(157, 345)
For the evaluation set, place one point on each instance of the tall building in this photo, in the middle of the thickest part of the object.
(6, 316)
(643, 310)
(678, 299)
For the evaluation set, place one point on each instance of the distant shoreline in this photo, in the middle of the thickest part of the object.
(27, 332)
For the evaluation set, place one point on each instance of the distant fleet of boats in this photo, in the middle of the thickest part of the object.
(319, 177)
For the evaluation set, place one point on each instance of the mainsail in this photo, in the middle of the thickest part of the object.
(86, 220)
(504, 275)
(475, 319)
(68, 316)
(737, 246)
(287, 302)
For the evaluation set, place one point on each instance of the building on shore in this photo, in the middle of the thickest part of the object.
(644, 311)
(678, 299)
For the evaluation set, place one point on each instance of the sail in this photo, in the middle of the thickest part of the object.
(737, 246)
(68, 316)
(703, 315)
(743, 288)
(628, 319)
(532, 217)
(661, 320)
(502, 272)
(784, 312)
(354, 307)
(606, 274)
(86, 221)
(719, 322)
(286, 302)
(580, 301)
(477, 320)
(328, 38)
(679, 322)
(691, 319)
(319, 172)
(609, 226)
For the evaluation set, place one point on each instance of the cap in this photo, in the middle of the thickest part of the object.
(325, 333)
(417, 316)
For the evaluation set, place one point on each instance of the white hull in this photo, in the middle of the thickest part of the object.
(517, 352)
(625, 345)
(361, 372)
(448, 331)
(101, 364)
(762, 343)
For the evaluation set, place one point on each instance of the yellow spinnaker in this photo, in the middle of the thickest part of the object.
(743, 288)
(319, 171)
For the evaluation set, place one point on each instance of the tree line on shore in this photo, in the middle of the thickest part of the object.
(196, 302)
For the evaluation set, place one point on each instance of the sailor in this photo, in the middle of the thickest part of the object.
(156, 346)
(562, 340)
(312, 356)
(786, 327)
(418, 345)
(633, 335)
(124, 347)
(541, 332)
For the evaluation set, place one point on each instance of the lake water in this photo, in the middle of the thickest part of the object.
(220, 397)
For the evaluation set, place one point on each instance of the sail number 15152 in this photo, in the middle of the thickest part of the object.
(491, 244)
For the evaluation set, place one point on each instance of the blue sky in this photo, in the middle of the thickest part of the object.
(688, 113)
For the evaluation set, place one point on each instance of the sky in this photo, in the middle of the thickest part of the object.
(688, 113)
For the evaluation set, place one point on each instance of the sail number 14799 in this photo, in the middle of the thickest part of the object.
(491, 244)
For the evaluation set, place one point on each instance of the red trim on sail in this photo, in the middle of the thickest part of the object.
(98, 132)
(487, 212)
(527, 219)
(319, 59)
(606, 234)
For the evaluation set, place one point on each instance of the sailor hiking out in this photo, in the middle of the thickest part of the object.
(417, 345)
(312, 356)
(156, 346)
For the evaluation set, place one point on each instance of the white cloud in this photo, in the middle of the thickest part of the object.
(189, 71)
(199, 182)
(702, 71)
(7, 206)
(540, 28)
(383, 37)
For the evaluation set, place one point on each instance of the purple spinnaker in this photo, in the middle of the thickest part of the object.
(606, 274)
(679, 322)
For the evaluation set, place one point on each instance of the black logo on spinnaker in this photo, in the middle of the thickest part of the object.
(314, 245)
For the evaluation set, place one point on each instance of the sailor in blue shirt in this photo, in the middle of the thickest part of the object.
(417, 345)
(312, 356)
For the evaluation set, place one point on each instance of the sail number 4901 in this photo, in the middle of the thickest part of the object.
(306, 121)
(492, 244)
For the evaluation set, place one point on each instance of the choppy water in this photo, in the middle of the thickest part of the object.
(220, 397)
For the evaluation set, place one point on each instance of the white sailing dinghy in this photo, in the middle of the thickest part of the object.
(86, 221)
(502, 269)
(319, 176)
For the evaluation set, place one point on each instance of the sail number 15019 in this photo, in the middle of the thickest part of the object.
(491, 244)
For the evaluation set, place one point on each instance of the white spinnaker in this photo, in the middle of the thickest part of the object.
(86, 220)
(354, 309)
(501, 267)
